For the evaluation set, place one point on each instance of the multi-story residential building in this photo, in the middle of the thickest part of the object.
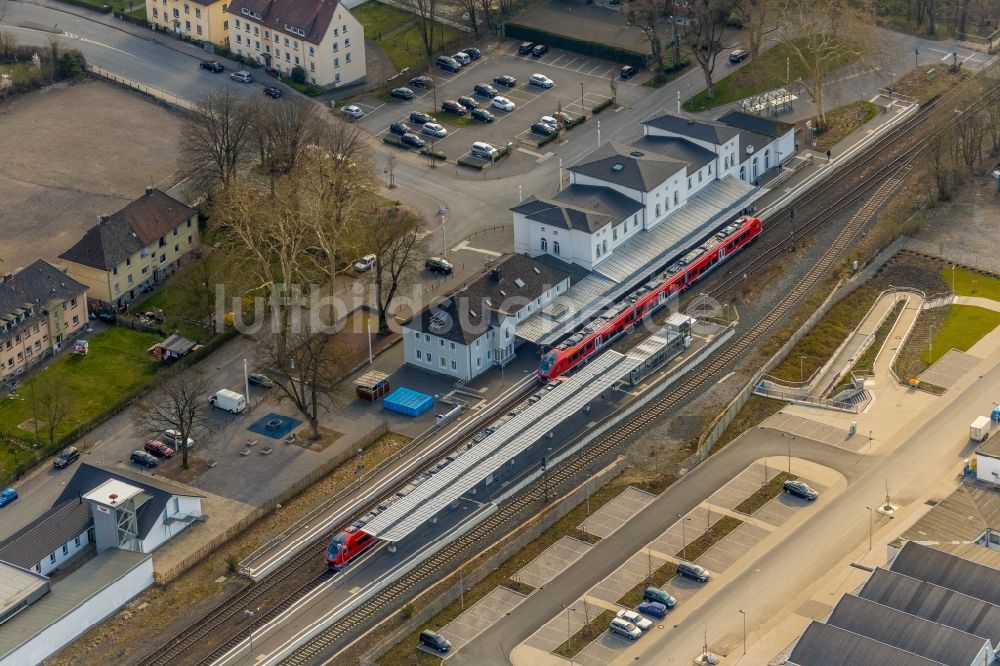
(130, 252)
(200, 20)
(321, 36)
(40, 309)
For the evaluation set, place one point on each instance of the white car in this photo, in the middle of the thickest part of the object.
(625, 628)
(435, 130)
(365, 263)
(631, 616)
(503, 104)
(173, 438)
(550, 121)
(242, 76)
(352, 111)
(541, 81)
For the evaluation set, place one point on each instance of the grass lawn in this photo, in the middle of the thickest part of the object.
(396, 32)
(927, 81)
(969, 283)
(842, 121)
(380, 19)
(632, 598)
(116, 365)
(451, 119)
(172, 300)
(764, 494)
(716, 533)
(964, 327)
(754, 412)
(765, 73)
(586, 635)
(138, 9)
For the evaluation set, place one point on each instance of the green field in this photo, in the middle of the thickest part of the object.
(964, 327)
(969, 283)
(772, 69)
(397, 33)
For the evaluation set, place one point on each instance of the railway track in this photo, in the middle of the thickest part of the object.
(882, 182)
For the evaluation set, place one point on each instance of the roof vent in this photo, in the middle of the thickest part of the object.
(503, 293)
(535, 268)
(749, 149)
(472, 313)
(617, 166)
(519, 282)
(637, 153)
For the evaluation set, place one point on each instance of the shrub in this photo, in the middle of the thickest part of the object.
(314, 90)
(472, 164)
(407, 611)
(71, 65)
(233, 563)
(600, 107)
(575, 121)
(548, 139)
(596, 49)
(298, 74)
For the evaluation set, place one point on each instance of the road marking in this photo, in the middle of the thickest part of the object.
(725, 377)
(464, 245)
(529, 152)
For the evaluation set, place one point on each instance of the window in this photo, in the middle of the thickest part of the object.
(312, 68)
(267, 35)
(454, 365)
(690, 183)
(657, 210)
(288, 56)
(38, 568)
(709, 168)
(117, 288)
(177, 504)
(555, 247)
(197, 12)
(427, 337)
(336, 78)
(187, 9)
(65, 549)
(187, 25)
(256, 31)
(336, 32)
(443, 361)
(286, 41)
(312, 51)
(295, 44)
(336, 62)
(614, 233)
(237, 20)
(52, 558)
(198, 28)
(225, 8)
(163, 258)
(489, 355)
(76, 320)
(336, 46)
(296, 60)
(545, 245)
(225, 24)
(130, 278)
(635, 220)
(72, 302)
(441, 340)
(604, 246)
(156, 13)
(479, 362)
(239, 39)
(699, 175)
(430, 358)
(598, 252)
(76, 540)
(177, 248)
(419, 354)
(347, 57)
(347, 43)
(453, 346)
(675, 198)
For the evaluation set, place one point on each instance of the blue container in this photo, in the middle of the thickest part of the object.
(407, 401)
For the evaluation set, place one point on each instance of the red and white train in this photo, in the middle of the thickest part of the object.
(620, 318)
(346, 546)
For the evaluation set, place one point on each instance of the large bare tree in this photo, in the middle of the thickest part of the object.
(646, 15)
(49, 404)
(281, 132)
(754, 15)
(393, 236)
(216, 137)
(426, 12)
(180, 404)
(706, 21)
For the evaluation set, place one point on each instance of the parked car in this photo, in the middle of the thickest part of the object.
(659, 596)
(352, 112)
(272, 92)
(158, 448)
(543, 129)
(502, 103)
(462, 57)
(468, 102)
(212, 66)
(539, 50)
(736, 56)
(550, 121)
(451, 106)
(482, 115)
(563, 117)
(66, 457)
(473, 53)
(654, 608)
(365, 263)
(144, 459)
(800, 489)
(435, 130)
(434, 641)
(693, 571)
(448, 63)
(541, 81)
(260, 380)
(438, 265)
(421, 81)
(412, 140)
(242, 76)
(485, 90)
(505, 80)
(627, 72)
(7, 495)
(419, 117)
(173, 438)
(402, 93)
(525, 48)
(625, 628)
(399, 129)
(636, 619)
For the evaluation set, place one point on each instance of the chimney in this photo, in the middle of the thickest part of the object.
(102, 218)
(495, 274)
(149, 189)
(7, 276)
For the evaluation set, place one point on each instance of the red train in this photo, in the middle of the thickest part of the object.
(648, 298)
(346, 546)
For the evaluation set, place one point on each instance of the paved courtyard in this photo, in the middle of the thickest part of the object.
(949, 368)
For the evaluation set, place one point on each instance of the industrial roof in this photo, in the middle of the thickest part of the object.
(67, 594)
(947, 570)
(46, 534)
(827, 645)
(17, 585)
(902, 630)
(964, 515)
(410, 512)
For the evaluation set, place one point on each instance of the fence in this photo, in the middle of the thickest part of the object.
(437, 19)
(539, 524)
(156, 93)
(972, 260)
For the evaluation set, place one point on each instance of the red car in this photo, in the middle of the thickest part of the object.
(158, 448)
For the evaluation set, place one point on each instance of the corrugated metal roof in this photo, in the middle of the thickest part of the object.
(33, 542)
(16, 585)
(962, 516)
(827, 645)
(67, 594)
(899, 629)
(935, 566)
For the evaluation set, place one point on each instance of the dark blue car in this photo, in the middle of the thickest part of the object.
(654, 608)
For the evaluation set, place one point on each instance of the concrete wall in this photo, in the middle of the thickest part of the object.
(162, 532)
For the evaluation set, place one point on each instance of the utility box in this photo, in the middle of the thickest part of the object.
(980, 429)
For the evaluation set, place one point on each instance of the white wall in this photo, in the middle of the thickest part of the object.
(98, 607)
(986, 466)
(55, 560)
(161, 532)
(426, 351)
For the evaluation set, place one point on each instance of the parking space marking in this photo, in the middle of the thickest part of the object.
(552, 561)
(480, 616)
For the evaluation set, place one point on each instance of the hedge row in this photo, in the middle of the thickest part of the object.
(596, 49)
(600, 107)
(141, 22)
(104, 9)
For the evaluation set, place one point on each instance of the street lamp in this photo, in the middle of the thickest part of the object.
(953, 278)
(744, 614)
(801, 379)
(683, 535)
(569, 637)
(789, 438)
(249, 614)
(583, 109)
(871, 522)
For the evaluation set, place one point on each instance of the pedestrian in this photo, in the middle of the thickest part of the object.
(828, 156)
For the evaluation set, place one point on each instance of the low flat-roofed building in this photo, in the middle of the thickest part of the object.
(19, 588)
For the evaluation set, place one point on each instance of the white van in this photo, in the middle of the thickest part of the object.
(231, 401)
(484, 151)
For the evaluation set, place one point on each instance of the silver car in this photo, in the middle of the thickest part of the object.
(242, 76)
(435, 130)
(625, 628)
(643, 623)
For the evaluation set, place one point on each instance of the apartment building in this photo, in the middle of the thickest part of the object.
(40, 309)
(200, 20)
(321, 36)
(132, 251)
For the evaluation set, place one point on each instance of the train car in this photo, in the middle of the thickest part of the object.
(346, 546)
(620, 318)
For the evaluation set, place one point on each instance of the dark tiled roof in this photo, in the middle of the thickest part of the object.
(489, 298)
(710, 131)
(87, 477)
(311, 16)
(899, 629)
(765, 126)
(628, 166)
(139, 224)
(679, 149)
(757, 142)
(827, 645)
(940, 568)
(46, 534)
(586, 208)
(38, 284)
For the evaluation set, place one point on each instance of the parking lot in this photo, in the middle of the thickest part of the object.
(617, 512)
(552, 562)
(580, 84)
(497, 603)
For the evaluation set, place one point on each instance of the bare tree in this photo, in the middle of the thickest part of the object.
(488, 13)
(216, 137)
(305, 366)
(8, 42)
(706, 20)
(993, 127)
(283, 131)
(393, 236)
(49, 405)
(942, 165)
(4, 9)
(207, 268)
(180, 404)
(970, 130)
(754, 15)
(471, 8)
(645, 15)
(425, 11)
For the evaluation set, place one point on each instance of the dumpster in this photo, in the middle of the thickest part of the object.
(407, 401)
